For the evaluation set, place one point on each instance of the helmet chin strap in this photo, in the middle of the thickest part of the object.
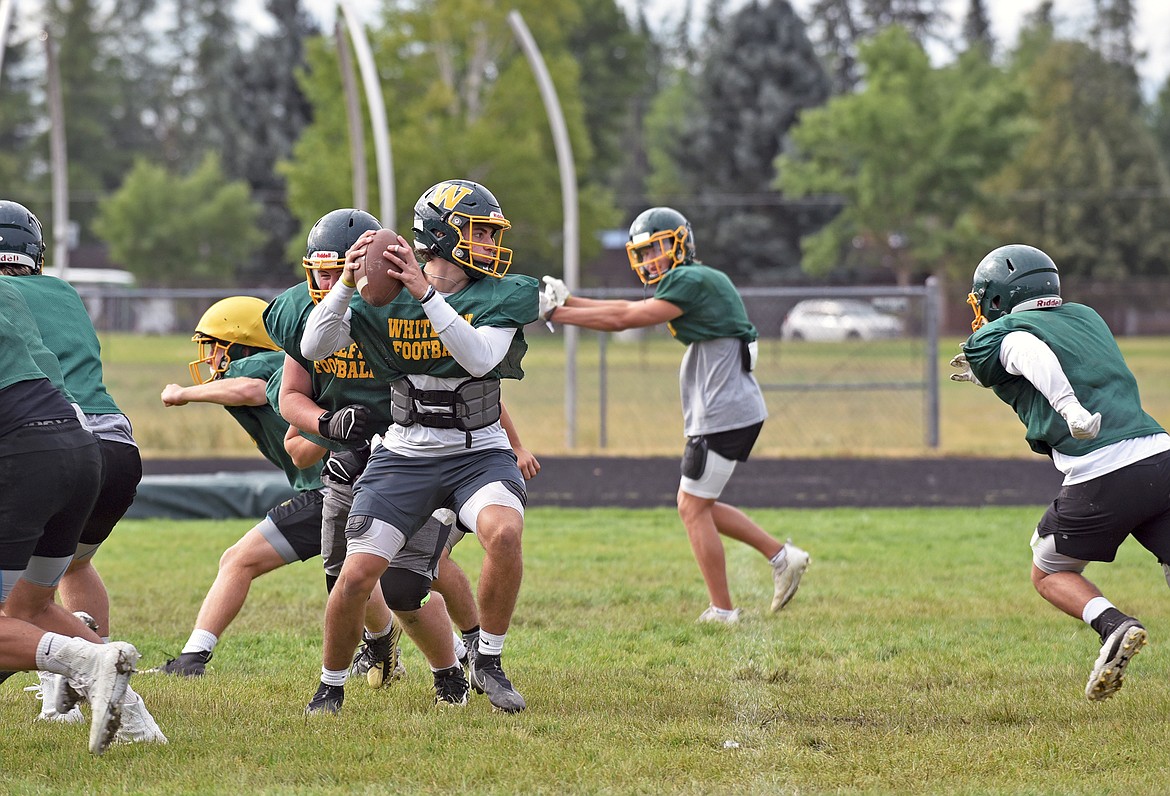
(458, 283)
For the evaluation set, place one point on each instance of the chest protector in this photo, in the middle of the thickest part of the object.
(474, 404)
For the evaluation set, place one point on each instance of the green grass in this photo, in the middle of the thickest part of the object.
(916, 658)
(642, 416)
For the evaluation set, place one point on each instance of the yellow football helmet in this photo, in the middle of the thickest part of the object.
(234, 321)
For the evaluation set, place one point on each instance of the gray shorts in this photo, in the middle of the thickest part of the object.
(404, 491)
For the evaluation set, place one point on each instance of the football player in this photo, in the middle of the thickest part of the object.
(313, 392)
(67, 331)
(238, 366)
(1059, 367)
(723, 407)
(43, 444)
(446, 447)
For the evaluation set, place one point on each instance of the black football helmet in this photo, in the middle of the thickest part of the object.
(21, 241)
(329, 240)
(660, 239)
(1014, 277)
(446, 217)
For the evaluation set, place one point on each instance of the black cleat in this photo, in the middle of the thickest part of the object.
(378, 659)
(487, 677)
(328, 699)
(187, 664)
(451, 687)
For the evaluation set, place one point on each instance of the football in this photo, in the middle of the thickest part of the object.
(373, 284)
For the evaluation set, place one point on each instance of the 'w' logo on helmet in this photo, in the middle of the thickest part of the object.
(448, 195)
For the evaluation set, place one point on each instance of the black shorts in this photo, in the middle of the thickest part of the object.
(736, 444)
(298, 522)
(1090, 520)
(121, 472)
(50, 478)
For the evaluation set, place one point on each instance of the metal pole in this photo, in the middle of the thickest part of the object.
(568, 172)
(933, 314)
(5, 24)
(58, 162)
(353, 108)
(365, 59)
(603, 390)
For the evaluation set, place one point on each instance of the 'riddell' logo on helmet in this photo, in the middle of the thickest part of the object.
(1045, 303)
(324, 256)
(13, 257)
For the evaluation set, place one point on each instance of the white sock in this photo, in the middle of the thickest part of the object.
(1094, 608)
(201, 641)
(460, 647)
(331, 677)
(49, 649)
(490, 643)
(384, 631)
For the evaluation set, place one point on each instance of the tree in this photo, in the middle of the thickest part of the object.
(179, 231)
(907, 154)
(462, 103)
(21, 158)
(760, 73)
(977, 28)
(1090, 188)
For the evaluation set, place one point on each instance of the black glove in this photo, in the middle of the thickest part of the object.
(344, 467)
(348, 424)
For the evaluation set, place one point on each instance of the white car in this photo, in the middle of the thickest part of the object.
(834, 320)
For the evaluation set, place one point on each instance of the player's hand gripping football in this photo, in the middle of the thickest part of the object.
(348, 424)
(964, 367)
(409, 272)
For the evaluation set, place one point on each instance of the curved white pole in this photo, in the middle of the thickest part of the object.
(560, 134)
(369, 72)
(59, 162)
(5, 24)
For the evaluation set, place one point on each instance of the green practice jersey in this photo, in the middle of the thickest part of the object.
(341, 379)
(711, 306)
(263, 423)
(68, 332)
(1091, 360)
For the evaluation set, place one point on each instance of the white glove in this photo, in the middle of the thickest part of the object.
(1081, 424)
(558, 291)
(964, 373)
(547, 305)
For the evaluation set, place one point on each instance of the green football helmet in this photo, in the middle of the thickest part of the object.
(1012, 278)
(660, 239)
(460, 221)
(329, 239)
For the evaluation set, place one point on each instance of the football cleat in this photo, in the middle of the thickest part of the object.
(787, 574)
(487, 677)
(451, 687)
(186, 664)
(328, 699)
(379, 659)
(138, 726)
(1118, 649)
(47, 692)
(714, 615)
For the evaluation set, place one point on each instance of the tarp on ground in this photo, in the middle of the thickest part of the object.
(215, 496)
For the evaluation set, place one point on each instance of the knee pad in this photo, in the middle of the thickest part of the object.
(405, 590)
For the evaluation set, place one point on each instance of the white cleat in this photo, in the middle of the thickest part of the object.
(47, 692)
(138, 726)
(101, 673)
(787, 574)
(712, 614)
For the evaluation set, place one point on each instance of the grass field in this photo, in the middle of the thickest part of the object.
(915, 659)
(642, 413)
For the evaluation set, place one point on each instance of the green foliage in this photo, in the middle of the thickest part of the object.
(180, 230)
(915, 659)
(462, 102)
(756, 77)
(908, 154)
(1091, 187)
